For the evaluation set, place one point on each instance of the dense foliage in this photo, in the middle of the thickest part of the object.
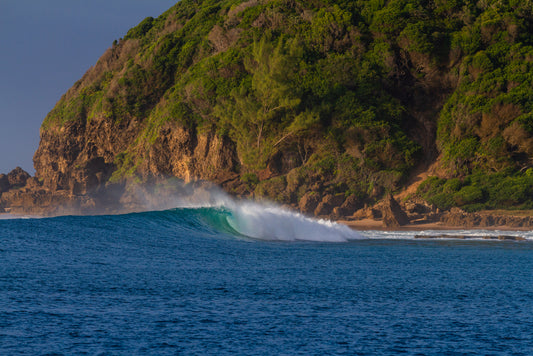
(506, 189)
(352, 94)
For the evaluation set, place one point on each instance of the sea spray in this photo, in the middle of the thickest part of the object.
(200, 205)
(270, 222)
(257, 220)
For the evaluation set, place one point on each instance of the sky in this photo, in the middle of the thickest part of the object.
(45, 47)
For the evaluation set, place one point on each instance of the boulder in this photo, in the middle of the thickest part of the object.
(330, 201)
(322, 209)
(393, 215)
(309, 202)
(367, 213)
(17, 177)
(334, 200)
(350, 206)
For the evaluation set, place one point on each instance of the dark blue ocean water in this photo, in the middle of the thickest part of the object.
(181, 282)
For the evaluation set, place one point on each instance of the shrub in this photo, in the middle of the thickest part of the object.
(141, 29)
(468, 195)
(273, 188)
(250, 179)
(478, 191)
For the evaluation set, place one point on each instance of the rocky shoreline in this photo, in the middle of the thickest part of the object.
(22, 194)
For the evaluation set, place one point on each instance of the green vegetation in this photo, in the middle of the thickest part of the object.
(502, 190)
(338, 86)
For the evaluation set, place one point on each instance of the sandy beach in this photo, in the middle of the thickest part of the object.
(370, 224)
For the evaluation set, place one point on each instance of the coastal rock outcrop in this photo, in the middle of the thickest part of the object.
(188, 155)
(393, 214)
(348, 207)
(17, 177)
(79, 156)
(458, 217)
(309, 202)
(328, 203)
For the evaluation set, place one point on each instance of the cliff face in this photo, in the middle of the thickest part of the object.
(79, 155)
(294, 100)
(187, 155)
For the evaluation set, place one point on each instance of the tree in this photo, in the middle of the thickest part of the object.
(267, 102)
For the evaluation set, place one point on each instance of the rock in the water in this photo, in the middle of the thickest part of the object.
(468, 237)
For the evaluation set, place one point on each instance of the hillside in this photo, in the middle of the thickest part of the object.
(317, 104)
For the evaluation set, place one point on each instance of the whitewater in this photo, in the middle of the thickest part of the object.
(223, 276)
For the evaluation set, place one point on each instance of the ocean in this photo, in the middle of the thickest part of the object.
(251, 279)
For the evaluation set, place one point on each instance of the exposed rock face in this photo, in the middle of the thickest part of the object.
(79, 156)
(328, 203)
(393, 215)
(458, 217)
(42, 202)
(189, 156)
(78, 159)
(309, 202)
(419, 211)
(17, 178)
(349, 207)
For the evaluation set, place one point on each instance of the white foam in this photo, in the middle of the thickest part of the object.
(408, 235)
(6, 216)
(271, 222)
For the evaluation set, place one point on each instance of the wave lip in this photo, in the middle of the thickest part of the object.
(272, 223)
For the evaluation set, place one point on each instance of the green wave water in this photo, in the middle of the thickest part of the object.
(256, 221)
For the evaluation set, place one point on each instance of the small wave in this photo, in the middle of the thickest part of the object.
(472, 234)
(7, 216)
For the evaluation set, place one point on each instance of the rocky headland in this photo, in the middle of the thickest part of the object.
(393, 115)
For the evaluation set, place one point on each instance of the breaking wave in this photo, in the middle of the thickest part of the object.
(259, 222)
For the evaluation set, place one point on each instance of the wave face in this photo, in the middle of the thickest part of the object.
(258, 222)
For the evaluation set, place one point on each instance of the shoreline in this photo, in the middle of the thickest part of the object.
(377, 225)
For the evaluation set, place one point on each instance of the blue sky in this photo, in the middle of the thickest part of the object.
(46, 46)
